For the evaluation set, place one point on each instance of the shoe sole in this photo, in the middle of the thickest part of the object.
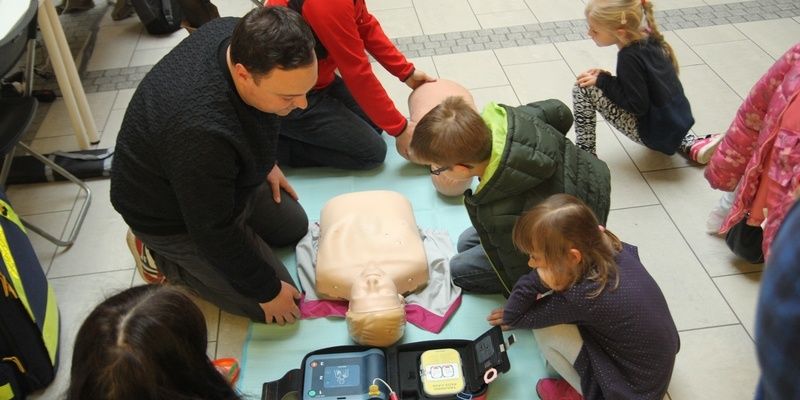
(705, 154)
(146, 276)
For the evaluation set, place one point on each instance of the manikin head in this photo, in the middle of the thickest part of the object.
(376, 316)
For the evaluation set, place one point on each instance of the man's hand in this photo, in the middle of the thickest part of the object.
(496, 318)
(403, 140)
(276, 181)
(589, 77)
(418, 78)
(282, 308)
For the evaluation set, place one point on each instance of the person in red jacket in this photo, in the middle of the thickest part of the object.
(347, 112)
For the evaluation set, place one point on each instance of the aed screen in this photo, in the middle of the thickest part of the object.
(341, 376)
(484, 349)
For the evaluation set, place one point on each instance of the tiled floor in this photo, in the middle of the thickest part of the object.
(659, 203)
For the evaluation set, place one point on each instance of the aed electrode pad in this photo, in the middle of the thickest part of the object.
(441, 373)
(342, 376)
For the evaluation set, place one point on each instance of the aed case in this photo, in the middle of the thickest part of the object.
(402, 369)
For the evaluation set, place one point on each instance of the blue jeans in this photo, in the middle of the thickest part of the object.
(471, 269)
(333, 131)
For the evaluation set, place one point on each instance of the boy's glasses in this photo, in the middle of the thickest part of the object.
(439, 170)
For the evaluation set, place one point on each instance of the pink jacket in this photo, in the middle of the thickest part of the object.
(758, 132)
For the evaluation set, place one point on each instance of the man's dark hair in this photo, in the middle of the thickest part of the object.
(272, 37)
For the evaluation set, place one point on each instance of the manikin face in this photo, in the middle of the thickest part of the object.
(278, 92)
(373, 290)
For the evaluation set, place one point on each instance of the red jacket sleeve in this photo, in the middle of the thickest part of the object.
(348, 31)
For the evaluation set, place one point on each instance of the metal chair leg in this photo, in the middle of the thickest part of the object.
(81, 213)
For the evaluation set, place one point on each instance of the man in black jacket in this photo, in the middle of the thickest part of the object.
(194, 174)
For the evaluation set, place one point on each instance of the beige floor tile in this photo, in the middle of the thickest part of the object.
(231, 336)
(566, 10)
(527, 54)
(458, 12)
(628, 188)
(494, 6)
(57, 122)
(114, 46)
(50, 222)
(100, 245)
(539, 81)
(234, 8)
(76, 297)
(56, 143)
(713, 102)
(169, 40)
(741, 292)
(123, 98)
(498, 94)
(374, 5)
(473, 70)
(710, 34)
(111, 130)
(693, 299)
(672, 4)
(212, 316)
(42, 198)
(774, 36)
(683, 52)
(582, 55)
(650, 160)
(740, 64)
(505, 18)
(688, 199)
(398, 22)
(716, 363)
(148, 57)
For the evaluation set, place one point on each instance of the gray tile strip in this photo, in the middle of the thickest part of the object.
(511, 36)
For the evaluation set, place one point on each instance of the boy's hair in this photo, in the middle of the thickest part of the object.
(628, 15)
(452, 133)
(146, 342)
(563, 222)
(272, 37)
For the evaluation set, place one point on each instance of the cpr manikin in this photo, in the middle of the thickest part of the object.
(423, 99)
(370, 253)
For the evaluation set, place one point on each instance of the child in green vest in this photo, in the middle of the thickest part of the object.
(521, 156)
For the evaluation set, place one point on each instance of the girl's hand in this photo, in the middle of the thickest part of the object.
(495, 318)
(589, 77)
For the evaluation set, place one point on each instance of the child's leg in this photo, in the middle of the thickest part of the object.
(587, 101)
(561, 345)
(471, 269)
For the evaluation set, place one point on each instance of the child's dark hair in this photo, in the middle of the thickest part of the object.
(628, 15)
(147, 342)
(563, 222)
(452, 133)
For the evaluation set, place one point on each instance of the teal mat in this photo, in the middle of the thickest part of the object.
(271, 350)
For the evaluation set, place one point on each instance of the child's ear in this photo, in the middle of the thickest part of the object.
(575, 256)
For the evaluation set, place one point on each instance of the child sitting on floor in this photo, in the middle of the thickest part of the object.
(598, 316)
(645, 100)
(521, 156)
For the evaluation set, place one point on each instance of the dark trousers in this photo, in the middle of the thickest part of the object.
(471, 269)
(333, 131)
(271, 224)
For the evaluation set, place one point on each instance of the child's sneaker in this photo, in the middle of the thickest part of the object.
(144, 260)
(703, 148)
(556, 389)
(229, 368)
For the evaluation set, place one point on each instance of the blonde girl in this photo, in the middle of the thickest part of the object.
(598, 316)
(645, 100)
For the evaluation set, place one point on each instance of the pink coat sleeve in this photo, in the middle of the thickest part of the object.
(731, 158)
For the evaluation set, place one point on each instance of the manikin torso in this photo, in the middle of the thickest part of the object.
(374, 230)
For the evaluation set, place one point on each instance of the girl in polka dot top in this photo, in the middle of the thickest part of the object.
(598, 316)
